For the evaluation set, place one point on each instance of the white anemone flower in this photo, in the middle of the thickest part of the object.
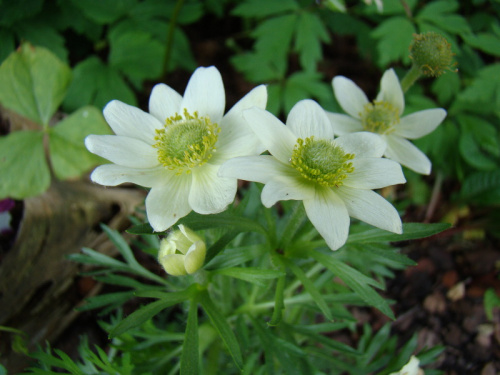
(177, 148)
(382, 117)
(333, 177)
(411, 368)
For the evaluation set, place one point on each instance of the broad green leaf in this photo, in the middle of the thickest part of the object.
(264, 8)
(304, 85)
(13, 11)
(104, 11)
(136, 54)
(41, 33)
(7, 45)
(411, 231)
(355, 280)
(223, 329)
(309, 34)
(485, 88)
(446, 87)
(491, 300)
(310, 288)
(33, 82)
(68, 154)
(96, 84)
(482, 187)
(394, 37)
(486, 42)
(190, 351)
(470, 147)
(251, 274)
(23, 167)
(150, 310)
(396, 7)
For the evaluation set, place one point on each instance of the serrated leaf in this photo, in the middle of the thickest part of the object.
(150, 310)
(251, 274)
(104, 11)
(438, 7)
(264, 8)
(223, 329)
(34, 82)
(40, 33)
(23, 168)
(309, 34)
(96, 84)
(485, 88)
(190, 351)
(486, 42)
(304, 85)
(446, 87)
(68, 154)
(483, 187)
(355, 280)
(394, 37)
(470, 148)
(411, 231)
(136, 54)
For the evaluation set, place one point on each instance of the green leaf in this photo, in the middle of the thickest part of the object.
(104, 11)
(485, 88)
(309, 33)
(446, 87)
(223, 329)
(150, 310)
(394, 37)
(310, 288)
(279, 304)
(471, 148)
(68, 154)
(96, 84)
(251, 274)
(355, 280)
(7, 45)
(482, 187)
(13, 11)
(136, 54)
(491, 300)
(264, 8)
(117, 299)
(305, 85)
(33, 82)
(190, 351)
(486, 42)
(39, 32)
(411, 231)
(438, 13)
(23, 167)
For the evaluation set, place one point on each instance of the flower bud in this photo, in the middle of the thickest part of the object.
(431, 53)
(182, 252)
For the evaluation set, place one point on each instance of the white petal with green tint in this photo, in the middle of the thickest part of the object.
(130, 121)
(420, 123)
(236, 137)
(368, 206)
(374, 173)
(350, 97)
(112, 175)
(390, 90)
(308, 119)
(205, 94)
(164, 102)
(276, 137)
(121, 150)
(329, 216)
(283, 188)
(253, 168)
(405, 153)
(165, 204)
(210, 193)
(362, 144)
(343, 124)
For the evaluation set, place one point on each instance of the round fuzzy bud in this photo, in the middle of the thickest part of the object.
(431, 53)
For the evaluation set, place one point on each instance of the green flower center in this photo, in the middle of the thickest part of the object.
(186, 142)
(321, 161)
(379, 117)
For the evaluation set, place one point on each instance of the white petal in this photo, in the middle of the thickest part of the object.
(205, 94)
(374, 173)
(131, 122)
(307, 119)
(350, 97)
(129, 152)
(420, 123)
(343, 124)
(164, 102)
(166, 204)
(276, 136)
(112, 175)
(367, 206)
(390, 90)
(407, 154)
(237, 137)
(195, 257)
(329, 216)
(210, 193)
(362, 144)
(283, 188)
(173, 264)
(253, 168)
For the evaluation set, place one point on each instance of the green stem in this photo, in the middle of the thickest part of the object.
(293, 223)
(170, 36)
(410, 78)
